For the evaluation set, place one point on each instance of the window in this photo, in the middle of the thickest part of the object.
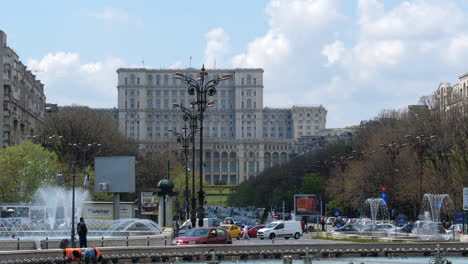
(158, 93)
(255, 81)
(158, 80)
(149, 92)
(316, 127)
(174, 92)
(138, 81)
(126, 81)
(132, 79)
(150, 103)
(249, 80)
(166, 92)
(166, 79)
(242, 81)
(150, 79)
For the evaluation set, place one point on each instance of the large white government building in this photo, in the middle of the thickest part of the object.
(241, 136)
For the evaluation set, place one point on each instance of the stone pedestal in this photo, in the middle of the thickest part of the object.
(165, 210)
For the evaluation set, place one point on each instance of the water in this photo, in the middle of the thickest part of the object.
(436, 207)
(51, 214)
(367, 260)
(376, 209)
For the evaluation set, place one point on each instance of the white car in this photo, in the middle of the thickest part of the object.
(284, 229)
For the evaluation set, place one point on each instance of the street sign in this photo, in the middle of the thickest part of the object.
(459, 218)
(465, 199)
(401, 219)
(337, 212)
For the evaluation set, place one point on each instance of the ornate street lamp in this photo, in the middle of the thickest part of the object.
(342, 163)
(420, 145)
(190, 115)
(393, 150)
(201, 88)
(85, 148)
(185, 138)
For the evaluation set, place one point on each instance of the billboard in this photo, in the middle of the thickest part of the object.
(115, 174)
(306, 205)
(149, 203)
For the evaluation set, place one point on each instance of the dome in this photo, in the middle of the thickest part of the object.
(165, 185)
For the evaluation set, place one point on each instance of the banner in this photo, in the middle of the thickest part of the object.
(149, 204)
(306, 205)
(105, 210)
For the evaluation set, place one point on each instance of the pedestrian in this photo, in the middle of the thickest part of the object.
(92, 255)
(302, 225)
(82, 232)
(322, 222)
(246, 233)
(72, 254)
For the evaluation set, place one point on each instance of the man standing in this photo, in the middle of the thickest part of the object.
(82, 232)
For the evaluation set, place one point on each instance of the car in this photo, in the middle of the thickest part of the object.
(427, 228)
(284, 229)
(330, 220)
(233, 230)
(203, 235)
(406, 228)
(252, 231)
(457, 227)
(352, 228)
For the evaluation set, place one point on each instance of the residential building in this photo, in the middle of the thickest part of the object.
(22, 96)
(449, 96)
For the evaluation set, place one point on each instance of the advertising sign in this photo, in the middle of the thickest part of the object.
(149, 203)
(306, 205)
(465, 199)
(105, 211)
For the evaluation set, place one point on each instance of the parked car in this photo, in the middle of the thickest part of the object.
(428, 228)
(284, 229)
(457, 227)
(407, 228)
(203, 235)
(252, 232)
(233, 230)
(330, 220)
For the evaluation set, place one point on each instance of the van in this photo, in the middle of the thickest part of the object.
(284, 229)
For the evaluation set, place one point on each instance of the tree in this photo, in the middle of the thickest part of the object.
(23, 169)
(79, 124)
(312, 183)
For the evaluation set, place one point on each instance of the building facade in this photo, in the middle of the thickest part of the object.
(241, 136)
(22, 96)
(450, 96)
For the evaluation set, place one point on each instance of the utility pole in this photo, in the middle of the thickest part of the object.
(284, 210)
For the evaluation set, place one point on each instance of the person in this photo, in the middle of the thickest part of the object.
(322, 222)
(82, 232)
(302, 225)
(246, 233)
(92, 255)
(72, 254)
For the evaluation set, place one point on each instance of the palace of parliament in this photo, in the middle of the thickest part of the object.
(241, 136)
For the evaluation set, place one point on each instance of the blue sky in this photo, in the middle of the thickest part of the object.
(356, 58)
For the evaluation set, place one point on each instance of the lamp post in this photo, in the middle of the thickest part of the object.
(190, 115)
(393, 150)
(45, 140)
(73, 244)
(185, 138)
(201, 88)
(342, 164)
(420, 145)
(85, 148)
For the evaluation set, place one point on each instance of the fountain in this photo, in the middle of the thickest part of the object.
(376, 209)
(434, 206)
(50, 216)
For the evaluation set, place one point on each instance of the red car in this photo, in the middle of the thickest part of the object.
(203, 235)
(252, 231)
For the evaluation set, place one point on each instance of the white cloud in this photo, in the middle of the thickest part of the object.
(457, 52)
(115, 15)
(333, 51)
(217, 45)
(176, 65)
(69, 81)
(264, 52)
